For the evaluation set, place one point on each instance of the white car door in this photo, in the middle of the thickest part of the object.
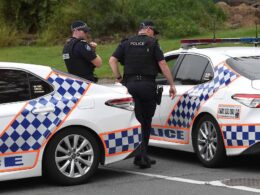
(17, 135)
(14, 92)
(176, 115)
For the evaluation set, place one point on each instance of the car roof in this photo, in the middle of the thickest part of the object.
(232, 51)
(40, 70)
(218, 54)
(221, 51)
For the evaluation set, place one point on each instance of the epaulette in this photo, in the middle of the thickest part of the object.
(125, 39)
(68, 40)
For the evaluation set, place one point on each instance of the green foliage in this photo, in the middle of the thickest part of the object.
(29, 16)
(179, 17)
(175, 18)
(51, 55)
(51, 19)
(8, 35)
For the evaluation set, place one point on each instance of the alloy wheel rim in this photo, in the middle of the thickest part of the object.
(74, 156)
(207, 140)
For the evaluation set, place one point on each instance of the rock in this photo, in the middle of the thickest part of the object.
(241, 13)
(238, 2)
(224, 6)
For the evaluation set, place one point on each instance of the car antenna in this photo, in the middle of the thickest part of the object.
(256, 32)
(214, 30)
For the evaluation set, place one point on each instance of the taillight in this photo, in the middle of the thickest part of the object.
(250, 100)
(124, 103)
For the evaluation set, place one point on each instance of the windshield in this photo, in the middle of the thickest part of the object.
(248, 67)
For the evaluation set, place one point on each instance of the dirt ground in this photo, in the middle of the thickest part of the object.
(241, 15)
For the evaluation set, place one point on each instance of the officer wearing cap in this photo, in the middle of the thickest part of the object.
(80, 56)
(142, 59)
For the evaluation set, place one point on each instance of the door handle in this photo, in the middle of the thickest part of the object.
(195, 95)
(43, 110)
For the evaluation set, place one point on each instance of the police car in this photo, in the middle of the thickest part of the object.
(217, 107)
(60, 126)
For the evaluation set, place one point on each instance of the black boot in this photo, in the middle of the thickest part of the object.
(143, 162)
(152, 161)
(137, 160)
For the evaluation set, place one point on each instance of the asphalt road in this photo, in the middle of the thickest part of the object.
(176, 172)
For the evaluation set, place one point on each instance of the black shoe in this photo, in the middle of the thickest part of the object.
(143, 163)
(152, 161)
(137, 161)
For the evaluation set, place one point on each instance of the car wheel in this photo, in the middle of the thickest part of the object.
(71, 157)
(208, 143)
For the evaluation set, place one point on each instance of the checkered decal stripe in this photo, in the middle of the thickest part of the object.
(29, 131)
(241, 135)
(126, 140)
(183, 114)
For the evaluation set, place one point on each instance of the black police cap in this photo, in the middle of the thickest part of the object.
(148, 24)
(80, 25)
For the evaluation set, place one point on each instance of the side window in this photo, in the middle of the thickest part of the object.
(191, 70)
(208, 74)
(171, 61)
(17, 85)
(14, 86)
(38, 87)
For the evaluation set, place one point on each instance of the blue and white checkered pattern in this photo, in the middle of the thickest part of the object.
(241, 135)
(122, 141)
(190, 102)
(29, 131)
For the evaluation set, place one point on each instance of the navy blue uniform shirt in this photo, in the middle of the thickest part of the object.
(120, 51)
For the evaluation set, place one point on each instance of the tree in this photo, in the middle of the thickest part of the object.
(27, 16)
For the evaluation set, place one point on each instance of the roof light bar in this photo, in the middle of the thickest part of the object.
(194, 42)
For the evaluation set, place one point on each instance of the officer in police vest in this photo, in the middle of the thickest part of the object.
(142, 59)
(79, 55)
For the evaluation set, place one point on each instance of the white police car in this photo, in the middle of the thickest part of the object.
(216, 112)
(61, 126)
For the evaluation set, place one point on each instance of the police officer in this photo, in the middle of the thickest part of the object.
(142, 59)
(79, 55)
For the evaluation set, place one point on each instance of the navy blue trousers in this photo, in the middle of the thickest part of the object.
(144, 94)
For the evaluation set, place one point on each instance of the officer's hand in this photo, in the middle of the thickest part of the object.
(119, 80)
(172, 91)
(93, 45)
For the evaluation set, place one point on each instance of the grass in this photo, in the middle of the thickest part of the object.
(51, 55)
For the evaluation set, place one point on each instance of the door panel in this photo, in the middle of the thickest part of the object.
(176, 115)
(8, 112)
(167, 104)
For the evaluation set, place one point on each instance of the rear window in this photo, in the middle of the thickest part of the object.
(248, 67)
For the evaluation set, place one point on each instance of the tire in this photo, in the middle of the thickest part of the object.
(208, 142)
(67, 164)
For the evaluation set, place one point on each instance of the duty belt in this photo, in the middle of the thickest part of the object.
(139, 78)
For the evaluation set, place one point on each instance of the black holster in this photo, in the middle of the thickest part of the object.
(159, 92)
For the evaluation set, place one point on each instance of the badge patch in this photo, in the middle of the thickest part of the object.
(87, 47)
(229, 111)
(66, 56)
